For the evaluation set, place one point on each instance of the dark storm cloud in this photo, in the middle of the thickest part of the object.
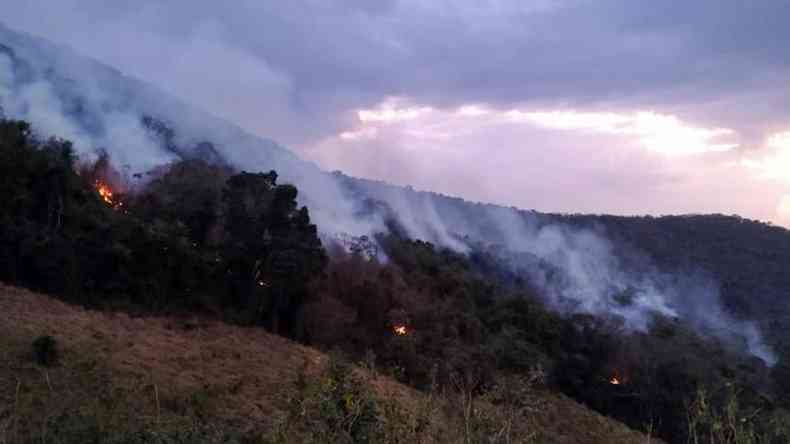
(297, 71)
(341, 55)
(506, 52)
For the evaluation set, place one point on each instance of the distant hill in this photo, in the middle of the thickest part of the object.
(745, 261)
(98, 108)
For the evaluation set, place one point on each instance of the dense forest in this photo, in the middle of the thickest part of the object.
(204, 238)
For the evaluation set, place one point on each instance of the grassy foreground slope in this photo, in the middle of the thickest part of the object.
(123, 379)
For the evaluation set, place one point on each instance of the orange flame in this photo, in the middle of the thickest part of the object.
(400, 330)
(617, 378)
(105, 192)
(107, 195)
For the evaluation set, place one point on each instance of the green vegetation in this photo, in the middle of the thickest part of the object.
(83, 401)
(45, 351)
(335, 407)
(726, 421)
(465, 324)
(339, 406)
(130, 379)
(200, 238)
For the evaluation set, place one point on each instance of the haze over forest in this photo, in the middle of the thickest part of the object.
(555, 198)
(648, 108)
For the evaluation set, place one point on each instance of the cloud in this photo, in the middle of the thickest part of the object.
(662, 133)
(632, 162)
(783, 209)
(360, 134)
(390, 112)
(706, 78)
(775, 165)
(350, 55)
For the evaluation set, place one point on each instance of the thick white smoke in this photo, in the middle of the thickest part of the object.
(72, 97)
(578, 270)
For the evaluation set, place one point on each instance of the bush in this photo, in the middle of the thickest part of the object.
(726, 421)
(45, 351)
(336, 407)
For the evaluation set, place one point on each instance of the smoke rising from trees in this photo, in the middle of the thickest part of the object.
(577, 269)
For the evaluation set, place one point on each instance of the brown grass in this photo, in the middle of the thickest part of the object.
(241, 370)
(165, 371)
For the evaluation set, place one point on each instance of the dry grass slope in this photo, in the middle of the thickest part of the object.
(118, 374)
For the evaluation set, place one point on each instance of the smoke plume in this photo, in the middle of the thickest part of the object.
(577, 269)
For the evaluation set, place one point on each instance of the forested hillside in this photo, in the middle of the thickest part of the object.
(115, 378)
(749, 258)
(64, 231)
(207, 239)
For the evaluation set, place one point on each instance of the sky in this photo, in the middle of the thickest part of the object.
(580, 106)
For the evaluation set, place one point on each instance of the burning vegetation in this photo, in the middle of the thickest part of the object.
(399, 322)
(400, 330)
(106, 180)
(107, 194)
(188, 242)
(617, 378)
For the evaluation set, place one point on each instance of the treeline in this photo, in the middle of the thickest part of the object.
(470, 325)
(201, 237)
(198, 237)
(748, 258)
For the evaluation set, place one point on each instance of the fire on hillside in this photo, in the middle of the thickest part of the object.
(400, 330)
(617, 378)
(108, 195)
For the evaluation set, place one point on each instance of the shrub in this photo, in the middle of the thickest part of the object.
(719, 416)
(340, 406)
(45, 351)
(335, 407)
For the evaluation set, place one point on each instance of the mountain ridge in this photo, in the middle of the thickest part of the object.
(99, 109)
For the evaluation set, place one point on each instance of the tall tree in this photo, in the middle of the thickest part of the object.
(271, 247)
